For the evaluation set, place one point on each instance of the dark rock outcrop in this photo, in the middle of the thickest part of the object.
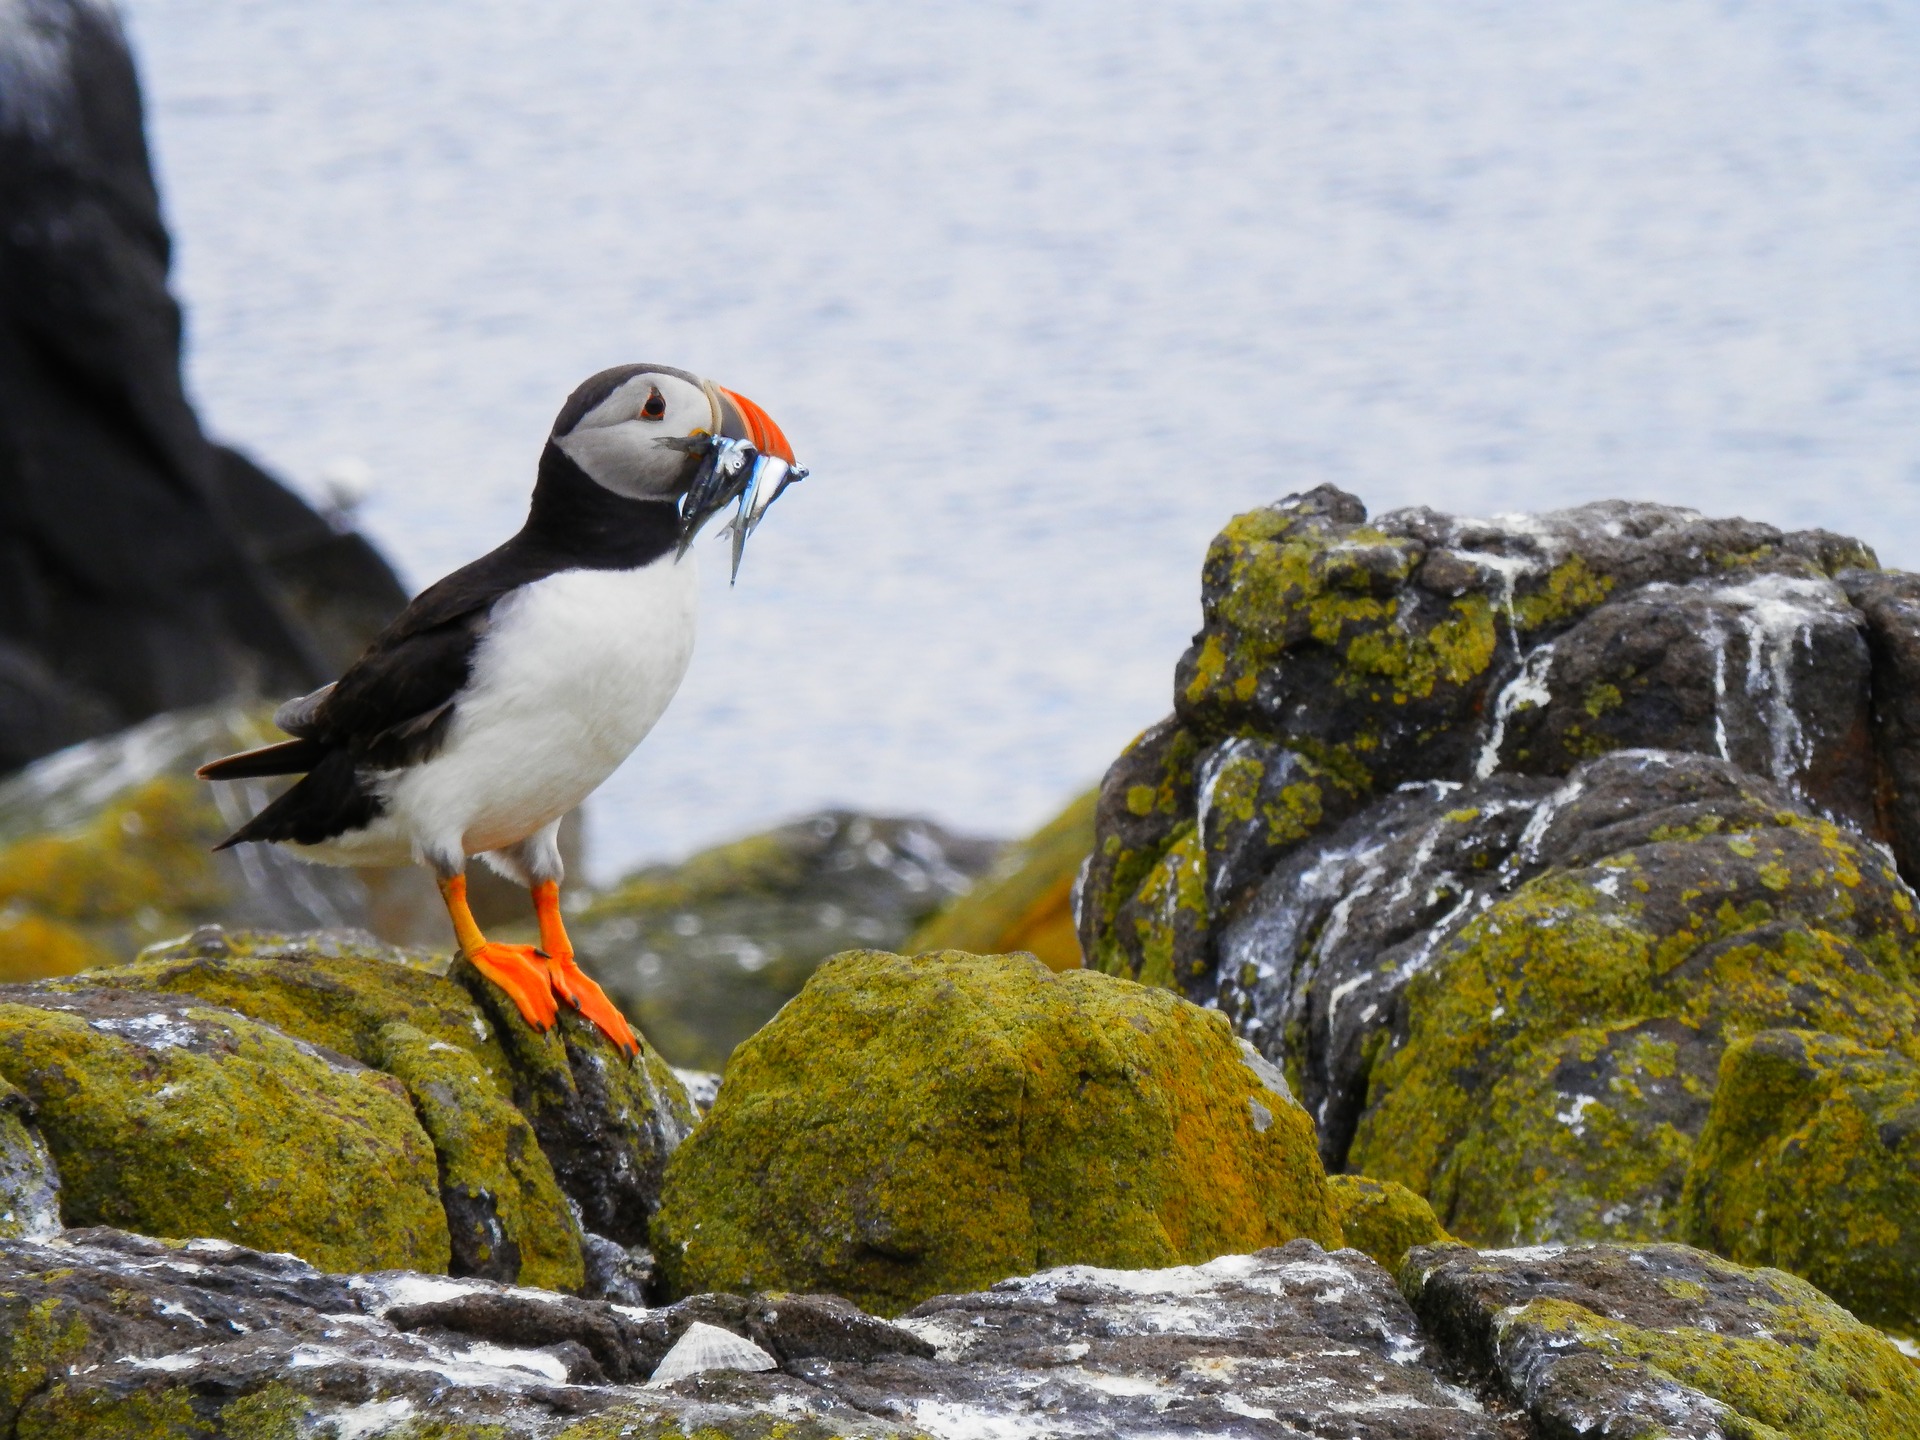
(1496, 835)
(141, 568)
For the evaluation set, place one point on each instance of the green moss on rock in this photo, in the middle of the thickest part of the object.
(1660, 1340)
(1561, 1050)
(1145, 799)
(907, 1127)
(1383, 1219)
(506, 1216)
(603, 1125)
(181, 1119)
(1810, 1160)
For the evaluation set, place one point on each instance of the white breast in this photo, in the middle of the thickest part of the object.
(571, 675)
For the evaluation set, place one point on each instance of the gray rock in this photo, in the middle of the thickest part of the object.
(101, 1324)
(1613, 1340)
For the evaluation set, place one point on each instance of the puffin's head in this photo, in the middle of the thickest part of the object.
(651, 432)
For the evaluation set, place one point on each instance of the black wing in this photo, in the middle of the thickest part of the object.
(391, 709)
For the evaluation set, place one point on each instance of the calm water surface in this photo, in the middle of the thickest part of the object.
(1043, 293)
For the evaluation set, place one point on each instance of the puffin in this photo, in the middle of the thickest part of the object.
(504, 694)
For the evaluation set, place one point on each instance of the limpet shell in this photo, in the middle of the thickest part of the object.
(707, 1347)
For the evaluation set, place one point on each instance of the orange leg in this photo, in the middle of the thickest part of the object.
(517, 969)
(569, 981)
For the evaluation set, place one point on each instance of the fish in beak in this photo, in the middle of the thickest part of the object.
(748, 462)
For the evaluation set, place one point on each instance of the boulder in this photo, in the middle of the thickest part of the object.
(908, 1126)
(174, 1117)
(1025, 903)
(703, 953)
(1494, 835)
(1662, 1340)
(525, 1139)
(1810, 1160)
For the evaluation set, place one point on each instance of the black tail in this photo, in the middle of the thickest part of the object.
(330, 801)
(289, 757)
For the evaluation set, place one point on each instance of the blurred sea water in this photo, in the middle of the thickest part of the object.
(1043, 292)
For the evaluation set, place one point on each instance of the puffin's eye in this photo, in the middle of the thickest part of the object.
(656, 406)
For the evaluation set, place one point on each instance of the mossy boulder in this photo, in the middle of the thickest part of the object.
(1662, 1340)
(911, 1126)
(174, 1117)
(1495, 835)
(702, 953)
(1560, 1050)
(1026, 901)
(1810, 1160)
(1383, 1219)
(518, 1128)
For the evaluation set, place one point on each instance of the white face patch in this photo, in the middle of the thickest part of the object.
(617, 442)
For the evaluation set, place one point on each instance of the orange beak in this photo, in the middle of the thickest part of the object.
(767, 437)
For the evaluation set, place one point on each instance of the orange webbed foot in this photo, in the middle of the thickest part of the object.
(521, 971)
(578, 989)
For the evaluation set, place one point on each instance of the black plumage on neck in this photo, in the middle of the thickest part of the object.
(575, 523)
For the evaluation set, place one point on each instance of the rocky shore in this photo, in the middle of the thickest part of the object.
(1500, 1021)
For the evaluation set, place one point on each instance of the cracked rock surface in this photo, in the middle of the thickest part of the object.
(107, 1333)
(107, 1329)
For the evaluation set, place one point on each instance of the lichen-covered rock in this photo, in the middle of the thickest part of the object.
(1341, 658)
(397, 1012)
(1383, 1219)
(607, 1124)
(1662, 1340)
(506, 1216)
(1559, 1051)
(523, 1127)
(1810, 1160)
(1026, 901)
(701, 954)
(1493, 835)
(907, 1126)
(172, 1117)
